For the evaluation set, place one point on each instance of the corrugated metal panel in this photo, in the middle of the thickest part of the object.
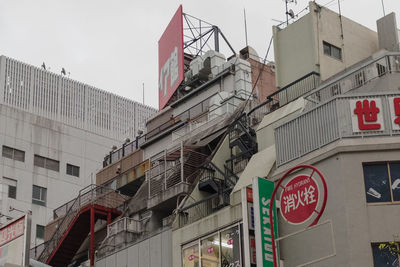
(323, 125)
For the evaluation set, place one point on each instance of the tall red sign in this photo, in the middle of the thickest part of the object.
(170, 59)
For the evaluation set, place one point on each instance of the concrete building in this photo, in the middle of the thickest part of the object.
(158, 169)
(320, 129)
(322, 42)
(54, 135)
(189, 178)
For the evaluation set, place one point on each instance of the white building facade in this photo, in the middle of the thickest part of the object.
(54, 134)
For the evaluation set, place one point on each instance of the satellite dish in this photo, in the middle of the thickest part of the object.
(291, 13)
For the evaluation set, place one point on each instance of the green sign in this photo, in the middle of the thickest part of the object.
(262, 191)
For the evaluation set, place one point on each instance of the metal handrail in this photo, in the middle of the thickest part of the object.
(74, 209)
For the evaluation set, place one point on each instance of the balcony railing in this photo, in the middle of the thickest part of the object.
(326, 123)
(360, 76)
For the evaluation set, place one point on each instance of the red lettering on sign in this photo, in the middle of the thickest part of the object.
(12, 231)
(367, 112)
(396, 103)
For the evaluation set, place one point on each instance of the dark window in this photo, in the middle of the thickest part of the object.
(73, 170)
(11, 187)
(39, 195)
(12, 153)
(382, 182)
(47, 163)
(39, 231)
(12, 191)
(332, 50)
(386, 254)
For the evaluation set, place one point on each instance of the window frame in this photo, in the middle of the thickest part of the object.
(36, 234)
(10, 183)
(72, 167)
(218, 232)
(387, 163)
(42, 200)
(46, 163)
(331, 47)
(13, 151)
(386, 242)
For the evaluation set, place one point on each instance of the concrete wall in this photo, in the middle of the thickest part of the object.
(47, 138)
(295, 51)
(153, 252)
(356, 224)
(358, 42)
(299, 47)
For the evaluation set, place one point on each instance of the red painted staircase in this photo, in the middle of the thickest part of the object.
(93, 203)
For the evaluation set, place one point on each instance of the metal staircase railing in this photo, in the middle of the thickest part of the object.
(90, 195)
(167, 175)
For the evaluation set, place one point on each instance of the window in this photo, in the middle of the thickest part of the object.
(72, 170)
(11, 187)
(382, 182)
(47, 163)
(39, 231)
(210, 251)
(39, 195)
(221, 249)
(386, 254)
(12, 153)
(332, 50)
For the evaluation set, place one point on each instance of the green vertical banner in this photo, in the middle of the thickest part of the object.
(262, 191)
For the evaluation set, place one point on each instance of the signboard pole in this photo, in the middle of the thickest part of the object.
(27, 239)
(264, 222)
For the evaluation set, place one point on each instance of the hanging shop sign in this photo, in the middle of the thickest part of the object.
(262, 192)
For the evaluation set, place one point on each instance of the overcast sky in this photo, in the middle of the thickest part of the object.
(112, 44)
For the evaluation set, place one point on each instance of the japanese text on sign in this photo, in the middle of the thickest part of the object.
(12, 231)
(299, 199)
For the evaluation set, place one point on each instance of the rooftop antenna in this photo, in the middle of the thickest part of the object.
(245, 25)
(289, 12)
(383, 8)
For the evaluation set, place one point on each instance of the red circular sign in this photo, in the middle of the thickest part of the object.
(299, 199)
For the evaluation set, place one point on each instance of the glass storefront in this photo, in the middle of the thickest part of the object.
(230, 248)
(210, 251)
(191, 256)
(221, 249)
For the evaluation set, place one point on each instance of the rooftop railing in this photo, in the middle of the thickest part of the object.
(327, 123)
(359, 76)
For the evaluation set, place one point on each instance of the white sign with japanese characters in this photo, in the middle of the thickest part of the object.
(394, 104)
(367, 114)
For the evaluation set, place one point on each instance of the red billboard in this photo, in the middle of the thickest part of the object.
(170, 59)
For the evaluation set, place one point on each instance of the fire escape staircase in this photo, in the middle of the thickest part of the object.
(93, 203)
(242, 141)
(168, 172)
